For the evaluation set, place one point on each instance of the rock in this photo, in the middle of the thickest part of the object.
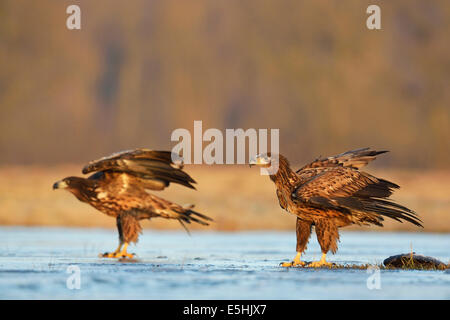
(414, 261)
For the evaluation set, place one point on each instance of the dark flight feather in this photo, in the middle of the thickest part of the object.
(145, 164)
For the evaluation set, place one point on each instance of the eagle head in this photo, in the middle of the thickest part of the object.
(268, 163)
(261, 160)
(68, 183)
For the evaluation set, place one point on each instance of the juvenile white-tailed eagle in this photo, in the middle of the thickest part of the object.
(120, 188)
(330, 193)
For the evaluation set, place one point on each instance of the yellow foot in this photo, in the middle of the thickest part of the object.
(295, 263)
(319, 264)
(117, 255)
(322, 263)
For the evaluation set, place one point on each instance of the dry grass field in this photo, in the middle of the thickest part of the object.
(237, 198)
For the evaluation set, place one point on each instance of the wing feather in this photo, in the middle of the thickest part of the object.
(354, 159)
(349, 190)
(154, 169)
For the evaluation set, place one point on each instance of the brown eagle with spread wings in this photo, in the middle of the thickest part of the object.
(119, 188)
(330, 193)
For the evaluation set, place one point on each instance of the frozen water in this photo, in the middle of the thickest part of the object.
(34, 264)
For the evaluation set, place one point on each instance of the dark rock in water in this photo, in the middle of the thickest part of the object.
(414, 261)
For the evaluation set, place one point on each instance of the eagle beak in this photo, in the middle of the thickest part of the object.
(60, 185)
(252, 162)
(258, 161)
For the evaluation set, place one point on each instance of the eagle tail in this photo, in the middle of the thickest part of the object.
(391, 210)
(374, 198)
(374, 209)
(187, 215)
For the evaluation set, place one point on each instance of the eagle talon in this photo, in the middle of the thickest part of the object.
(117, 255)
(294, 263)
(127, 255)
(108, 255)
(321, 263)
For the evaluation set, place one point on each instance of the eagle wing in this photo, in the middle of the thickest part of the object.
(355, 159)
(152, 169)
(348, 190)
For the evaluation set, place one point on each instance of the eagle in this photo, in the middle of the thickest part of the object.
(330, 193)
(121, 186)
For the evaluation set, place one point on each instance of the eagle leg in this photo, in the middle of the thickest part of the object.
(328, 236)
(128, 228)
(321, 263)
(303, 233)
(294, 263)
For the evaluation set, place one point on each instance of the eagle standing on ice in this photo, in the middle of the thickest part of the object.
(119, 188)
(330, 193)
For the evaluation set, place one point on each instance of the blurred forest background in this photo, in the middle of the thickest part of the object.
(139, 69)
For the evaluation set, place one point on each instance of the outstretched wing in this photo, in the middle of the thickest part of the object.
(154, 169)
(349, 190)
(354, 159)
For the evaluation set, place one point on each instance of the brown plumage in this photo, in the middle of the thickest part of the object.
(330, 193)
(120, 185)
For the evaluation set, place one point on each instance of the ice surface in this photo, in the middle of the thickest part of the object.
(211, 265)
